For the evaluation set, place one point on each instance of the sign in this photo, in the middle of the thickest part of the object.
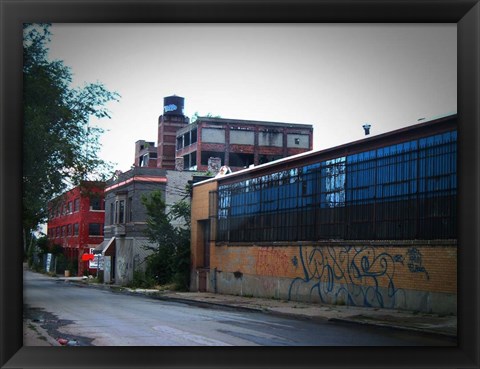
(48, 262)
(93, 263)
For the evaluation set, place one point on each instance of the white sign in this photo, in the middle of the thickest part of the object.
(92, 264)
(49, 261)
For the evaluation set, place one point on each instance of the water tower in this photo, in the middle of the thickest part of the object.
(173, 105)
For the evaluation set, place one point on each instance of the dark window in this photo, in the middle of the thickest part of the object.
(119, 211)
(112, 213)
(179, 142)
(69, 230)
(130, 209)
(240, 160)
(96, 203)
(95, 229)
(194, 136)
(76, 205)
(75, 229)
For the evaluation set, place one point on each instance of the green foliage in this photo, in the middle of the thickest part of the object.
(141, 280)
(195, 116)
(60, 146)
(170, 260)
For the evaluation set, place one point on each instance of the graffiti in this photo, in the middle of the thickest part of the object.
(349, 275)
(272, 262)
(295, 261)
(415, 261)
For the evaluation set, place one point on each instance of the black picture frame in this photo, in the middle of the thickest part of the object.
(465, 13)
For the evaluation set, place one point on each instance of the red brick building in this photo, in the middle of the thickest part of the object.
(240, 143)
(76, 220)
(232, 142)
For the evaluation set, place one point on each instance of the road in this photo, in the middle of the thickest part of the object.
(95, 317)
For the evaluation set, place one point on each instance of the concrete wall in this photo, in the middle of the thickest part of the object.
(242, 137)
(298, 140)
(412, 277)
(213, 135)
(270, 139)
(130, 255)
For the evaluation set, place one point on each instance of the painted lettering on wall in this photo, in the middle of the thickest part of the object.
(353, 275)
(415, 261)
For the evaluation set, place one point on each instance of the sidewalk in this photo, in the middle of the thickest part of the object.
(399, 319)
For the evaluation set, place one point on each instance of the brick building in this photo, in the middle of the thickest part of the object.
(369, 223)
(76, 220)
(240, 143)
(125, 217)
(235, 143)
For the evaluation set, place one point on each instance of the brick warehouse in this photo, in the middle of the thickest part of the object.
(236, 143)
(76, 220)
(240, 143)
(369, 223)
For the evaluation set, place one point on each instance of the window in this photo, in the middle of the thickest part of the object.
(69, 207)
(112, 212)
(401, 191)
(69, 230)
(240, 160)
(119, 211)
(96, 203)
(130, 209)
(95, 229)
(75, 229)
(76, 205)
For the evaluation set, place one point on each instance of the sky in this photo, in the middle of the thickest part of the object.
(336, 77)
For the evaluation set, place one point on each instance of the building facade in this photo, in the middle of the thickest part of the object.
(370, 223)
(76, 221)
(124, 247)
(240, 143)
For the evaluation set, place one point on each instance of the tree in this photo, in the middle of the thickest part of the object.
(60, 146)
(170, 260)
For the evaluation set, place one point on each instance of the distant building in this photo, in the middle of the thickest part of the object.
(240, 143)
(76, 221)
(234, 143)
(145, 154)
(370, 223)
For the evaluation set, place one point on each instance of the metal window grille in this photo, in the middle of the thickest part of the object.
(402, 191)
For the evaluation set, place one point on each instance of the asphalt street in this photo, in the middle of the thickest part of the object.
(94, 317)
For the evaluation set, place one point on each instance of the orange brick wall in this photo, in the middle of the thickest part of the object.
(413, 277)
(425, 268)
